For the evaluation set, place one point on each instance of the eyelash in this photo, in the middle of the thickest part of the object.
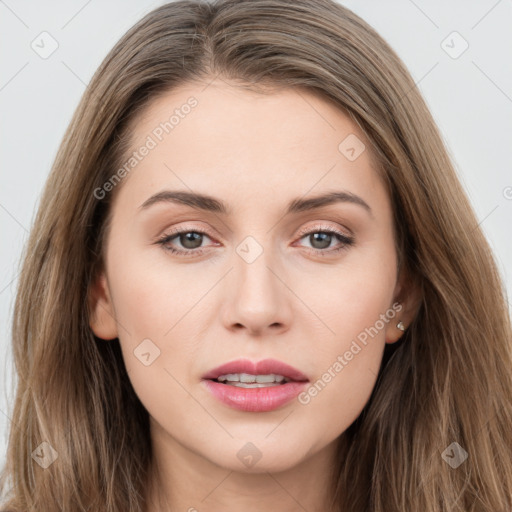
(346, 241)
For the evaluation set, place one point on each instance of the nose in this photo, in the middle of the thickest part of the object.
(258, 297)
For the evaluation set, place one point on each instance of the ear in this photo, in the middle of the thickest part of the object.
(408, 294)
(102, 317)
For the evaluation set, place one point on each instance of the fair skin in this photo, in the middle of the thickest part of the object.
(255, 152)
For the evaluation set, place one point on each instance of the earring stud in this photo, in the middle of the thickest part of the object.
(400, 325)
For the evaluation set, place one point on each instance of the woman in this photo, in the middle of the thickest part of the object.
(255, 282)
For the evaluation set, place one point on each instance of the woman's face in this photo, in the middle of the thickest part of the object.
(261, 272)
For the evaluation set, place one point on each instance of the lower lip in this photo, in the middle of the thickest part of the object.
(255, 399)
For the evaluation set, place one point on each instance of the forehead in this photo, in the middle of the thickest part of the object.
(229, 141)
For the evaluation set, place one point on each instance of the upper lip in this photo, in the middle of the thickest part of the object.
(263, 367)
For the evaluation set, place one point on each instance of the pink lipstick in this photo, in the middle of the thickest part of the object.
(255, 386)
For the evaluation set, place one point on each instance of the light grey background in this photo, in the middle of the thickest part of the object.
(470, 98)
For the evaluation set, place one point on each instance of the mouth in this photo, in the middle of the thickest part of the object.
(246, 380)
(266, 372)
(255, 387)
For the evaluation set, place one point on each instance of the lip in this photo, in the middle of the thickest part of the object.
(262, 367)
(255, 399)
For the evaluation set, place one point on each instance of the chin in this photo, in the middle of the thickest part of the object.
(260, 455)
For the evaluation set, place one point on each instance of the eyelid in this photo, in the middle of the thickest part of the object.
(185, 227)
(346, 240)
(303, 231)
(323, 226)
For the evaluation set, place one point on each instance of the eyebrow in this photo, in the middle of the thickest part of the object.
(211, 204)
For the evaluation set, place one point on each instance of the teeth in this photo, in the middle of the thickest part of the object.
(266, 378)
(246, 378)
(232, 377)
(253, 385)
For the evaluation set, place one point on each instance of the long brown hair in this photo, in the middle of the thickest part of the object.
(449, 379)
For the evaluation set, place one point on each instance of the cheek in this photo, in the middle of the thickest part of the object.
(155, 307)
(150, 295)
(336, 398)
(350, 297)
(346, 368)
(354, 302)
